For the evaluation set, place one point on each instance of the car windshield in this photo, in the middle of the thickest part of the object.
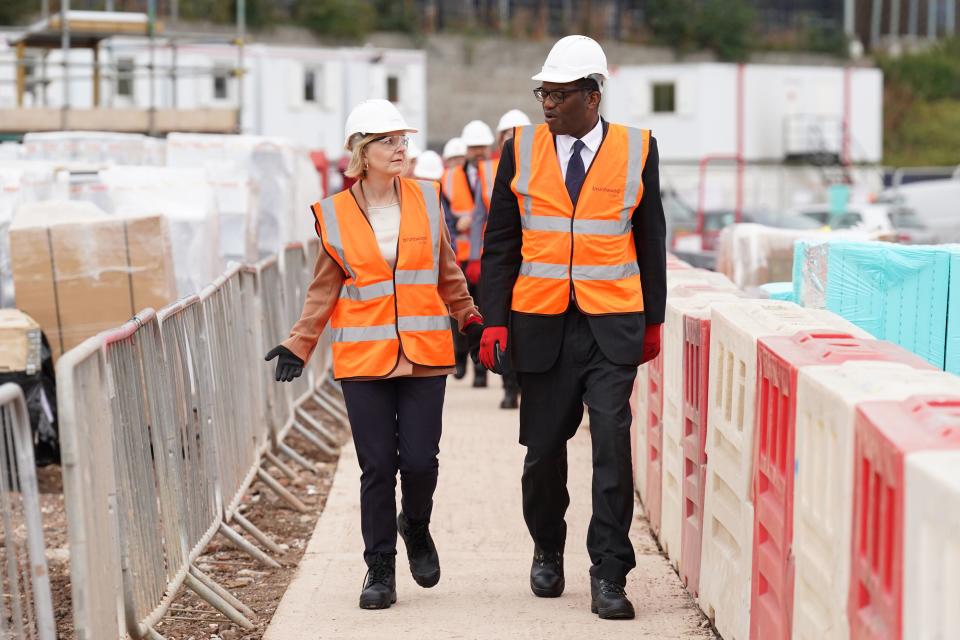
(676, 210)
(717, 220)
(905, 219)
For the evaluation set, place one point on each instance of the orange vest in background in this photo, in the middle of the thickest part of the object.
(590, 247)
(381, 309)
(456, 188)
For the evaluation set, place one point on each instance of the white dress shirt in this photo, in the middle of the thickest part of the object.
(591, 143)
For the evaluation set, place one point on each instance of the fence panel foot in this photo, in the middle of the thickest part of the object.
(257, 534)
(281, 491)
(217, 602)
(247, 547)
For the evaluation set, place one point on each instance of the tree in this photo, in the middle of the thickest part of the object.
(338, 18)
(722, 26)
(16, 11)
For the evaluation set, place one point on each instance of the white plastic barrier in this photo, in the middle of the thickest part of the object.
(827, 397)
(672, 494)
(93, 146)
(726, 551)
(931, 547)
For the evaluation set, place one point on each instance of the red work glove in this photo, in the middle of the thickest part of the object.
(651, 342)
(492, 337)
(473, 271)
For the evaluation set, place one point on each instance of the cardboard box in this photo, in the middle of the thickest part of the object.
(78, 272)
(19, 343)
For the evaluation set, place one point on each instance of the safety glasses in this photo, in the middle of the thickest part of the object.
(392, 142)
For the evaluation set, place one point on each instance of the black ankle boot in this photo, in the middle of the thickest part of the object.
(546, 574)
(510, 400)
(609, 600)
(421, 551)
(380, 584)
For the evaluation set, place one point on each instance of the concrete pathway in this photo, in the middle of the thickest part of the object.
(484, 550)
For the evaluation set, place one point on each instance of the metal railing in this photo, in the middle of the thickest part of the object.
(167, 421)
(26, 610)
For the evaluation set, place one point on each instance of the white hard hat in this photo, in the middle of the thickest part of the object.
(429, 166)
(511, 119)
(413, 150)
(375, 116)
(454, 148)
(572, 58)
(476, 133)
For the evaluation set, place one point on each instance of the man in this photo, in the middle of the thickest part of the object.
(574, 263)
(454, 152)
(508, 121)
(467, 187)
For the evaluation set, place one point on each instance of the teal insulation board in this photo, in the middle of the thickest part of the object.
(952, 356)
(896, 292)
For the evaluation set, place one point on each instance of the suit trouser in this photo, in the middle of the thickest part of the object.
(396, 425)
(461, 345)
(550, 414)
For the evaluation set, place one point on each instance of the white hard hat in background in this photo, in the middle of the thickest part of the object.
(454, 148)
(429, 166)
(572, 58)
(511, 119)
(375, 116)
(413, 150)
(476, 133)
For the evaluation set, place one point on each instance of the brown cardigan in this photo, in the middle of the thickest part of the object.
(324, 291)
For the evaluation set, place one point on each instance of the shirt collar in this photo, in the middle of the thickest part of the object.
(591, 141)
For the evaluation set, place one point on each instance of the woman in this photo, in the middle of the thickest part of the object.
(387, 281)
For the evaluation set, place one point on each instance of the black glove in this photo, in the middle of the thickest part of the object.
(289, 366)
(474, 332)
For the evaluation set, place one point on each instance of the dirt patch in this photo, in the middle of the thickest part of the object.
(258, 587)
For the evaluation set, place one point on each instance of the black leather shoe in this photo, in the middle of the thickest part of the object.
(480, 382)
(421, 551)
(510, 400)
(609, 601)
(461, 369)
(380, 584)
(546, 574)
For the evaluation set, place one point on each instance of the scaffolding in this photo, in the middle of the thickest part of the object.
(68, 30)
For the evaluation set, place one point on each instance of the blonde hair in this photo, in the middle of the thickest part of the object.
(358, 141)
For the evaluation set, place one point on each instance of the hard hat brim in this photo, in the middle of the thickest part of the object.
(555, 76)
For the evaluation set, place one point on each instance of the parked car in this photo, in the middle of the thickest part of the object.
(934, 203)
(884, 221)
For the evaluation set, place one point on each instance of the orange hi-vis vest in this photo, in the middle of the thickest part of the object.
(590, 247)
(381, 309)
(456, 187)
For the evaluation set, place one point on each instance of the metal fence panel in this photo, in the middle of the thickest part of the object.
(296, 279)
(27, 609)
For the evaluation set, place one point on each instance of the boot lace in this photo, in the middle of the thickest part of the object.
(417, 535)
(543, 558)
(611, 588)
(379, 571)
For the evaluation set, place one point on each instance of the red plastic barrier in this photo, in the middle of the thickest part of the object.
(778, 362)
(653, 498)
(885, 433)
(696, 367)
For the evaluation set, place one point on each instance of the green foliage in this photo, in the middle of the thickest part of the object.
(260, 13)
(929, 136)
(722, 26)
(921, 106)
(17, 11)
(931, 75)
(351, 19)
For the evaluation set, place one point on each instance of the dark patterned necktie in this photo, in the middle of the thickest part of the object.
(575, 172)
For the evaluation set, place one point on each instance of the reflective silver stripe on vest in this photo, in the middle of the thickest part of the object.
(524, 167)
(368, 292)
(562, 225)
(333, 238)
(544, 270)
(417, 276)
(434, 216)
(424, 323)
(364, 334)
(634, 171)
(605, 272)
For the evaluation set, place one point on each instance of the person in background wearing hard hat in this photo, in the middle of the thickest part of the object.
(508, 121)
(468, 187)
(386, 280)
(574, 262)
(410, 162)
(429, 166)
(454, 153)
